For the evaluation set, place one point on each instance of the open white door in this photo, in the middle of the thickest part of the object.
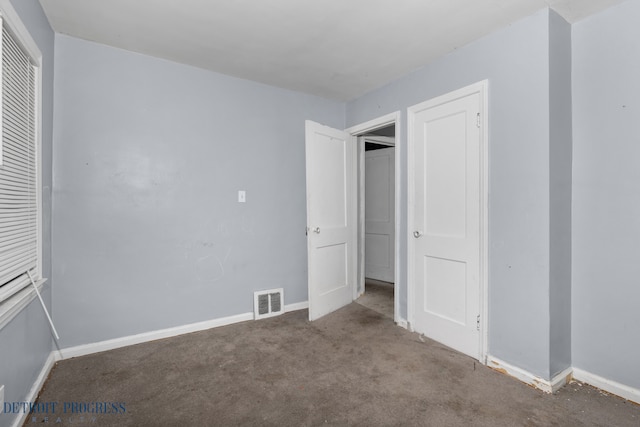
(379, 215)
(331, 218)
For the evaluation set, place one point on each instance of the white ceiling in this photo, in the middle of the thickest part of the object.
(338, 49)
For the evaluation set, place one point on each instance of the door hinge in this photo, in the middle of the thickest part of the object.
(478, 322)
(478, 120)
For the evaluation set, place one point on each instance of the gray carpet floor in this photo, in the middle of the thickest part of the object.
(378, 296)
(353, 367)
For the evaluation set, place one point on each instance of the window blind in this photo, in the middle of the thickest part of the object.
(18, 171)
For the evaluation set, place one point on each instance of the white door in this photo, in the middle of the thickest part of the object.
(379, 214)
(331, 218)
(446, 164)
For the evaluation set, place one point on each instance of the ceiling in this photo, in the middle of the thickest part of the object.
(337, 49)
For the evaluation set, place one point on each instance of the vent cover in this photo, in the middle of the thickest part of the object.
(268, 303)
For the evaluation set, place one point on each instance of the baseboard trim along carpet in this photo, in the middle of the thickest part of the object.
(612, 387)
(86, 349)
(402, 323)
(296, 306)
(548, 386)
(528, 378)
(35, 388)
(604, 384)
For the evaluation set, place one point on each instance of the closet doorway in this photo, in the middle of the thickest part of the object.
(377, 219)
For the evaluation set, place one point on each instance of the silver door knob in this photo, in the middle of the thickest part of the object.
(316, 230)
(417, 234)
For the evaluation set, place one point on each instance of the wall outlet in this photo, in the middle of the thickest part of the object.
(1, 399)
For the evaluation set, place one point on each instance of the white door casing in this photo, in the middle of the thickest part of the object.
(380, 214)
(447, 178)
(331, 218)
(357, 131)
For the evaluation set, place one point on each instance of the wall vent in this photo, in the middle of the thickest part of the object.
(268, 303)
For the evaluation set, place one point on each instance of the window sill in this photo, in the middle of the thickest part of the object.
(14, 305)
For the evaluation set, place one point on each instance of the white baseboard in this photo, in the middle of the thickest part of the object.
(613, 387)
(86, 349)
(402, 323)
(547, 386)
(557, 382)
(531, 379)
(36, 387)
(296, 306)
(562, 379)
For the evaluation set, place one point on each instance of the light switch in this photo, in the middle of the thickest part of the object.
(242, 196)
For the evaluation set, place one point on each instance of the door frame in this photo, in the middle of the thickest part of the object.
(482, 89)
(355, 132)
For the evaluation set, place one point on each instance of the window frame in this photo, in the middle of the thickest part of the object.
(10, 20)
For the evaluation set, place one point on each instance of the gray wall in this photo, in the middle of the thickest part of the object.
(150, 154)
(25, 342)
(560, 151)
(148, 158)
(606, 186)
(516, 62)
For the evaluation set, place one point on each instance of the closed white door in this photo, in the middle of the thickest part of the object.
(446, 164)
(379, 214)
(331, 218)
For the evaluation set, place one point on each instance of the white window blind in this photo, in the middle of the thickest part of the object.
(18, 170)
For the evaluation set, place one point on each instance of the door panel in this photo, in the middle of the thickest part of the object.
(445, 176)
(331, 218)
(445, 293)
(380, 214)
(332, 278)
(446, 222)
